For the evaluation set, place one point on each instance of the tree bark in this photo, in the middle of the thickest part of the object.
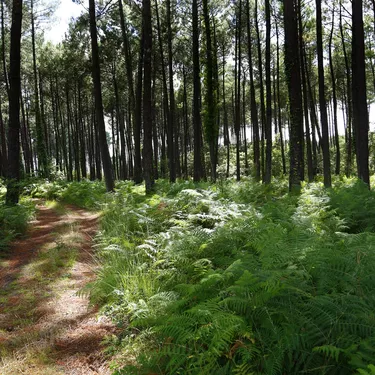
(148, 172)
(253, 104)
(106, 159)
(292, 70)
(360, 112)
(322, 97)
(12, 195)
(268, 129)
(197, 120)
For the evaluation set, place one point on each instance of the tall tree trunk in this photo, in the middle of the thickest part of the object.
(226, 125)
(268, 129)
(360, 112)
(138, 115)
(12, 195)
(292, 70)
(210, 100)
(279, 99)
(5, 71)
(322, 97)
(3, 146)
(40, 140)
(334, 97)
(197, 121)
(106, 159)
(148, 172)
(349, 142)
(261, 86)
(310, 169)
(172, 109)
(237, 78)
(253, 104)
(128, 57)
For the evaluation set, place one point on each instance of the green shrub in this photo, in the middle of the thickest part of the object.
(87, 194)
(239, 279)
(354, 203)
(14, 221)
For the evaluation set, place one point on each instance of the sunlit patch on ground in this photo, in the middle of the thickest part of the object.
(45, 327)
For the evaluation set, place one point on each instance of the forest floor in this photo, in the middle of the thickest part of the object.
(46, 326)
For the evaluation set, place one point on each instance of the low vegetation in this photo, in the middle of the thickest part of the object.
(234, 278)
(13, 219)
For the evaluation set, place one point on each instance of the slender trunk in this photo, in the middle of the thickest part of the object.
(106, 159)
(322, 97)
(261, 86)
(279, 99)
(3, 146)
(292, 70)
(310, 169)
(5, 71)
(171, 122)
(40, 140)
(253, 104)
(226, 126)
(360, 112)
(12, 195)
(238, 90)
(349, 143)
(197, 121)
(268, 130)
(210, 100)
(334, 97)
(147, 98)
(138, 115)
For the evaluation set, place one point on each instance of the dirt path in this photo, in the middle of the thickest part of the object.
(45, 327)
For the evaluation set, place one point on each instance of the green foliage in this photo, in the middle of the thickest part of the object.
(87, 194)
(355, 203)
(13, 221)
(204, 282)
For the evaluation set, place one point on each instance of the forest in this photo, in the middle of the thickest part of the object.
(186, 188)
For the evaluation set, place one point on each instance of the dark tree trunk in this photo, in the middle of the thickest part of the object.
(349, 142)
(279, 100)
(261, 86)
(121, 125)
(210, 100)
(3, 146)
(310, 169)
(171, 123)
(334, 97)
(360, 112)
(268, 129)
(197, 121)
(81, 131)
(254, 110)
(138, 115)
(237, 90)
(292, 70)
(12, 195)
(40, 140)
(128, 57)
(165, 100)
(226, 125)
(322, 97)
(106, 159)
(5, 71)
(148, 170)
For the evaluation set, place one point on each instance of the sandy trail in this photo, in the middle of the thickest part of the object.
(45, 327)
